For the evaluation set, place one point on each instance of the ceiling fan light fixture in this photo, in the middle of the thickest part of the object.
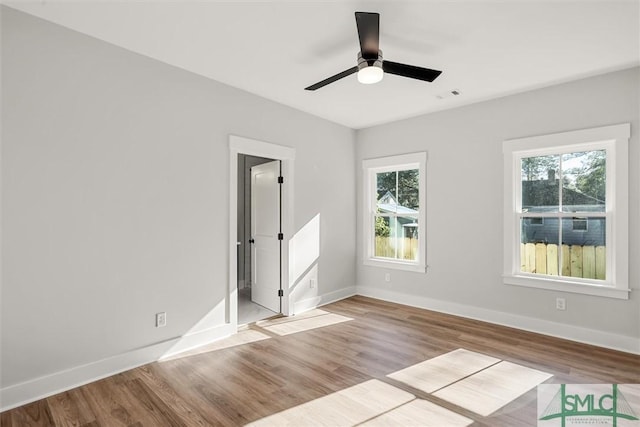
(370, 70)
(369, 75)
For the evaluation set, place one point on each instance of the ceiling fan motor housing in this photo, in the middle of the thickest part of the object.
(369, 62)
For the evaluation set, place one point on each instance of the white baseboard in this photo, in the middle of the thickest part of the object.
(42, 387)
(320, 300)
(559, 330)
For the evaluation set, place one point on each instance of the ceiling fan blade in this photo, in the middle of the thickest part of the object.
(411, 71)
(332, 79)
(369, 33)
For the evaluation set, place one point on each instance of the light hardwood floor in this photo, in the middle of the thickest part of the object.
(271, 377)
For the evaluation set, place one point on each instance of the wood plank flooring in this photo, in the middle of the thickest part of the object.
(252, 380)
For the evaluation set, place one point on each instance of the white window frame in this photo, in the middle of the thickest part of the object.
(389, 164)
(615, 140)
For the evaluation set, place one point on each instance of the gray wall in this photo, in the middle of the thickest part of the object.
(465, 200)
(115, 192)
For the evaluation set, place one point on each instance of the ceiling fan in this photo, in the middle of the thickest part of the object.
(371, 67)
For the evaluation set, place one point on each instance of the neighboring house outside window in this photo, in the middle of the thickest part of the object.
(394, 209)
(566, 211)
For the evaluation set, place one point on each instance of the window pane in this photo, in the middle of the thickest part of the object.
(539, 245)
(584, 181)
(584, 247)
(540, 185)
(383, 238)
(540, 230)
(408, 238)
(386, 187)
(408, 191)
(396, 237)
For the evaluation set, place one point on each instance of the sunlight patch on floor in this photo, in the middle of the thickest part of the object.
(419, 412)
(347, 407)
(433, 374)
(473, 381)
(246, 336)
(306, 321)
(491, 389)
(470, 380)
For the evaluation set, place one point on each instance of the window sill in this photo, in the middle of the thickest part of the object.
(567, 286)
(396, 265)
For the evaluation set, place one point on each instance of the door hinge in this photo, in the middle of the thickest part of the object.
(280, 180)
(280, 236)
(280, 293)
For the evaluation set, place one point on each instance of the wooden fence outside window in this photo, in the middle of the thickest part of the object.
(588, 262)
(407, 248)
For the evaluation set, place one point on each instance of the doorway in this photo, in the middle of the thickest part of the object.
(258, 244)
(246, 153)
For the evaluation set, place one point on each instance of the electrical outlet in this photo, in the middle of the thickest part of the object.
(561, 304)
(161, 319)
(387, 277)
(312, 283)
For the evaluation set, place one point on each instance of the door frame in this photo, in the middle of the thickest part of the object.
(253, 147)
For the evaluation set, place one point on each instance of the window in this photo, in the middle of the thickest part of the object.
(566, 211)
(394, 206)
(580, 224)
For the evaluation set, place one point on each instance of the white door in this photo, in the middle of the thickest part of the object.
(265, 227)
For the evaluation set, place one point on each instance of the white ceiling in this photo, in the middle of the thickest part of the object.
(274, 49)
